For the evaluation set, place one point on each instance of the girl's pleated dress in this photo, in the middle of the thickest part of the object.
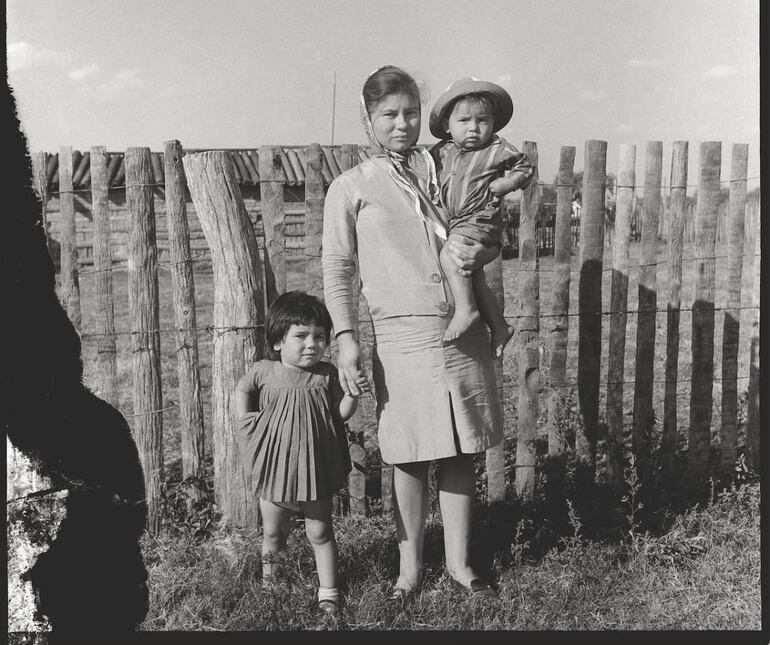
(294, 447)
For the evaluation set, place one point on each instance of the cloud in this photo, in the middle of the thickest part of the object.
(126, 79)
(641, 62)
(84, 73)
(22, 55)
(720, 71)
(503, 79)
(589, 96)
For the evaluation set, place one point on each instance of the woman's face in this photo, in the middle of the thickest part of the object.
(396, 121)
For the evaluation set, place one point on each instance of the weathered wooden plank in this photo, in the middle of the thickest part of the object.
(273, 218)
(732, 316)
(618, 315)
(238, 316)
(183, 283)
(559, 314)
(70, 285)
(145, 322)
(590, 308)
(527, 332)
(644, 373)
(314, 206)
(678, 205)
(753, 428)
(699, 439)
(107, 359)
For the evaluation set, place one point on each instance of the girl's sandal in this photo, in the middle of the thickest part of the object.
(329, 617)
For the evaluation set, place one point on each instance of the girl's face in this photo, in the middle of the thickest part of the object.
(302, 346)
(396, 121)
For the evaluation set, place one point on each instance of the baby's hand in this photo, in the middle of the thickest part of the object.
(500, 187)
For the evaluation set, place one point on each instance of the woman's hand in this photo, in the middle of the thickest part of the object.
(352, 378)
(468, 254)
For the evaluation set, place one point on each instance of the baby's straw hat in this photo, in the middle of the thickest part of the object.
(470, 85)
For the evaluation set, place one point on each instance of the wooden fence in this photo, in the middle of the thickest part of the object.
(258, 240)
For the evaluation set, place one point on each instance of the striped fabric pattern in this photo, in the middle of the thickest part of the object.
(465, 175)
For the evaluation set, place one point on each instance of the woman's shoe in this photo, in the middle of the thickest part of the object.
(478, 588)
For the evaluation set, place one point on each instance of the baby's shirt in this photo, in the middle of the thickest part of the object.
(465, 175)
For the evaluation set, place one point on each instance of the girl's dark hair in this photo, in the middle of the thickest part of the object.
(293, 308)
(388, 80)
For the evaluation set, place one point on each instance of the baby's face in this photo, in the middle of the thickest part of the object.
(470, 123)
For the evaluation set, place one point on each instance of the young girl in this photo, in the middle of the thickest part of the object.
(291, 436)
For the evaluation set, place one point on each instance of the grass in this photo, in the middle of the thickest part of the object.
(557, 566)
(702, 573)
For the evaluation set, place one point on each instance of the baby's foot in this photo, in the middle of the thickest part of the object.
(460, 323)
(500, 337)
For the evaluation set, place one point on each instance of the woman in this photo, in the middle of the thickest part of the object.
(435, 402)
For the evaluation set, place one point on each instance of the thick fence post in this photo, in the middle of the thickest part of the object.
(183, 281)
(732, 316)
(527, 334)
(590, 308)
(677, 206)
(144, 306)
(70, 286)
(365, 416)
(559, 316)
(40, 178)
(314, 216)
(699, 443)
(273, 219)
(644, 373)
(238, 317)
(495, 457)
(107, 359)
(618, 316)
(753, 428)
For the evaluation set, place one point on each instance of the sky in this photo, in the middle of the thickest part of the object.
(240, 74)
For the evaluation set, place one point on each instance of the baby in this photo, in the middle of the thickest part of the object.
(476, 168)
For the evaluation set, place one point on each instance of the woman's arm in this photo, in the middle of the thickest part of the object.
(352, 377)
(468, 254)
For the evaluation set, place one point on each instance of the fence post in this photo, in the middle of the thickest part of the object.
(314, 213)
(699, 442)
(107, 359)
(273, 220)
(40, 177)
(365, 415)
(183, 281)
(70, 286)
(752, 414)
(527, 332)
(590, 308)
(732, 316)
(677, 209)
(644, 373)
(559, 320)
(618, 315)
(144, 306)
(495, 456)
(238, 317)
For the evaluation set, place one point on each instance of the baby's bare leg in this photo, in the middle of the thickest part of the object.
(491, 313)
(466, 311)
(275, 531)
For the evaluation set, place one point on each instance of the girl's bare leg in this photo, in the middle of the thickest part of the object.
(410, 501)
(320, 533)
(275, 532)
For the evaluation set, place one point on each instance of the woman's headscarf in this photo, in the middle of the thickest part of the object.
(407, 169)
